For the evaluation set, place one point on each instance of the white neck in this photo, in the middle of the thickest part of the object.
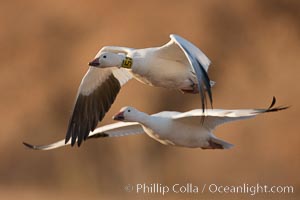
(121, 58)
(143, 118)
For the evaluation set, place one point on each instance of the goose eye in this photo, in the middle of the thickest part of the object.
(104, 56)
(128, 110)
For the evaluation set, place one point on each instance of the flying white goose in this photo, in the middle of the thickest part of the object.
(172, 128)
(176, 65)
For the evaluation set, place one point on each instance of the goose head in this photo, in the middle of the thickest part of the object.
(107, 59)
(127, 114)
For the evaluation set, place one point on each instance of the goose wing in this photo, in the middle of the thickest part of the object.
(97, 92)
(215, 117)
(111, 130)
(180, 49)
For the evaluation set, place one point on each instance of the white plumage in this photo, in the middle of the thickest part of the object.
(172, 128)
(176, 65)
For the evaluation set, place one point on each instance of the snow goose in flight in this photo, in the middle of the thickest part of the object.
(172, 128)
(176, 65)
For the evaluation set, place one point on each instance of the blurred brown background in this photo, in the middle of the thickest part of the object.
(44, 50)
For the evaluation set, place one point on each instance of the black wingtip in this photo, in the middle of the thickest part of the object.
(277, 108)
(79, 143)
(73, 141)
(271, 108)
(68, 135)
(30, 146)
(204, 82)
(205, 88)
(66, 140)
(273, 102)
(99, 135)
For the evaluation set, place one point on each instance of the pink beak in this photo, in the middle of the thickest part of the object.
(119, 116)
(94, 63)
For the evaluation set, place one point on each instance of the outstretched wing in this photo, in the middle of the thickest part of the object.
(111, 130)
(97, 92)
(180, 49)
(215, 117)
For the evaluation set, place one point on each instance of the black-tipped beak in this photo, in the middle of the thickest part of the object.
(119, 116)
(94, 63)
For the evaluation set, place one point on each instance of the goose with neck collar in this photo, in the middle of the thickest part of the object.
(178, 65)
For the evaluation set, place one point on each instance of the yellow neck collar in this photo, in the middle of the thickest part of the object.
(127, 63)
